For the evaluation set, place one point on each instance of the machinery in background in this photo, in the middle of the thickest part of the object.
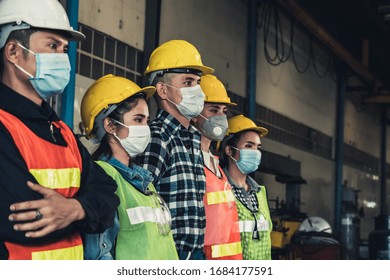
(286, 222)
(307, 239)
(350, 224)
(379, 239)
(297, 236)
(283, 230)
(314, 241)
(286, 215)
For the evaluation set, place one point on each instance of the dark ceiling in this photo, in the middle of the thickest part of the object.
(351, 22)
(361, 27)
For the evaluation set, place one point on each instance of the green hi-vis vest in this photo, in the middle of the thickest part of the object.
(142, 235)
(255, 249)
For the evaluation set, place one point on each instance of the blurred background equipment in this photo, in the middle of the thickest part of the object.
(350, 224)
(314, 241)
(379, 239)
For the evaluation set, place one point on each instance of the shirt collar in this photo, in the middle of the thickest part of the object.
(22, 107)
(137, 176)
(253, 186)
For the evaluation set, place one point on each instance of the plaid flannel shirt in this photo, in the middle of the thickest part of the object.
(174, 158)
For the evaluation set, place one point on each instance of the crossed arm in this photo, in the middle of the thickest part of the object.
(91, 210)
(57, 212)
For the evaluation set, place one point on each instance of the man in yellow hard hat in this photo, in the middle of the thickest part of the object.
(174, 156)
(50, 189)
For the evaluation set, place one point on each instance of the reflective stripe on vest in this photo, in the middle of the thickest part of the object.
(249, 226)
(151, 239)
(142, 214)
(220, 197)
(55, 167)
(222, 237)
(64, 180)
(57, 178)
(223, 250)
(59, 254)
(255, 249)
(68, 248)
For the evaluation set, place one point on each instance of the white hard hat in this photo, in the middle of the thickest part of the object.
(317, 224)
(23, 14)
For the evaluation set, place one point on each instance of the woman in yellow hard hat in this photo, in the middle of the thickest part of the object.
(222, 237)
(115, 114)
(241, 156)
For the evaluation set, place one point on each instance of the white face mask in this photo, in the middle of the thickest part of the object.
(192, 102)
(137, 139)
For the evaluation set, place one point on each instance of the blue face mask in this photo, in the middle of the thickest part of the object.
(52, 73)
(249, 160)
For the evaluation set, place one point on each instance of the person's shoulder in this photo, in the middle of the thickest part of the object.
(109, 169)
(161, 132)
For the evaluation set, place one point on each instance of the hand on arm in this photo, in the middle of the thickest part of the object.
(57, 212)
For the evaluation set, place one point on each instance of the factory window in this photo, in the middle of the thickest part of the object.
(100, 54)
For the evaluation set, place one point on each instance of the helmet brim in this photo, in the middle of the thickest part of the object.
(71, 34)
(261, 130)
(221, 102)
(74, 35)
(149, 91)
(204, 69)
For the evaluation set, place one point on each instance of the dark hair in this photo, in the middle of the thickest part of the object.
(22, 36)
(230, 140)
(125, 106)
(165, 78)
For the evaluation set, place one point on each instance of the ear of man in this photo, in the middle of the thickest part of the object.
(11, 52)
(161, 90)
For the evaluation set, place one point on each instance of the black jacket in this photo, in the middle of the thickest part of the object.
(97, 189)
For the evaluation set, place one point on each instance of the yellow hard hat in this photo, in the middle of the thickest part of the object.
(102, 98)
(240, 123)
(175, 56)
(214, 90)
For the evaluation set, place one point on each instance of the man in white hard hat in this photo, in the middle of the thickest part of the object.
(50, 189)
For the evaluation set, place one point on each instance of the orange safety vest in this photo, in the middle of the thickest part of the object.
(222, 235)
(55, 167)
